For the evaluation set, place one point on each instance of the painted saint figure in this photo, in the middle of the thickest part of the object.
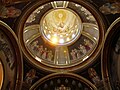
(78, 54)
(44, 55)
(73, 54)
(94, 76)
(34, 45)
(49, 55)
(40, 50)
(30, 76)
(82, 49)
(110, 8)
(88, 44)
(9, 12)
(11, 2)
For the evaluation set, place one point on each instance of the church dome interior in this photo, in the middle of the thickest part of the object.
(59, 45)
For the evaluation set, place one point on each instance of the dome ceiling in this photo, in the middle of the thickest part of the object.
(61, 26)
(61, 34)
(64, 37)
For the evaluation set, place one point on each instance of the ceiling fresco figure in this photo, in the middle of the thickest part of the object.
(12, 2)
(9, 12)
(95, 78)
(110, 8)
